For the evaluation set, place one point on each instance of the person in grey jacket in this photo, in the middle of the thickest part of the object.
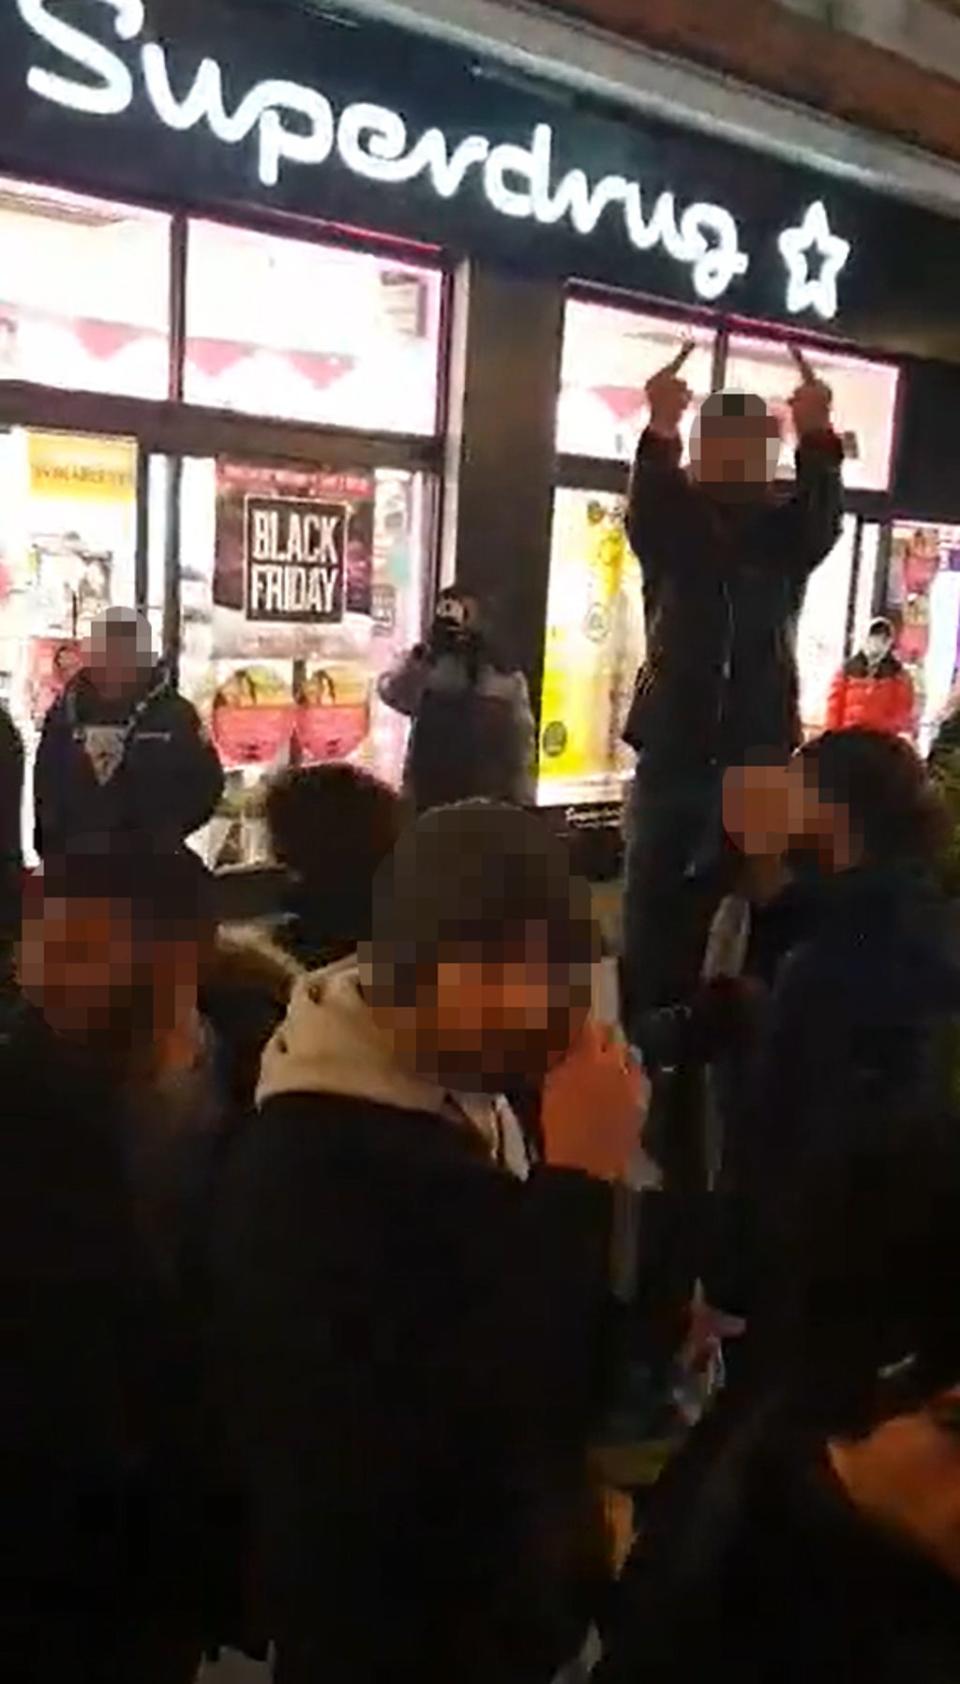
(473, 731)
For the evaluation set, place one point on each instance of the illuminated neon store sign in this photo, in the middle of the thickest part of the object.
(297, 124)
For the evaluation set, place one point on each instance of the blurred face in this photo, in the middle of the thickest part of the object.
(763, 808)
(488, 1023)
(79, 966)
(769, 811)
(735, 452)
(118, 658)
(905, 1476)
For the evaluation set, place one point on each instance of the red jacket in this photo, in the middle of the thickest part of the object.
(880, 699)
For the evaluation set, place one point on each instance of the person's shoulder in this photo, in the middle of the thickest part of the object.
(165, 700)
(311, 1173)
(359, 1133)
(62, 709)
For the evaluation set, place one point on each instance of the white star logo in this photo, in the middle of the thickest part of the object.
(796, 244)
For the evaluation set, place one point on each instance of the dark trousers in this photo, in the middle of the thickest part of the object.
(673, 885)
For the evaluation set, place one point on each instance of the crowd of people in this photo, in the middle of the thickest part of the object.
(330, 1249)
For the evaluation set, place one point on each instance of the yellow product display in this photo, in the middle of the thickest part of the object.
(81, 467)
(580, 686)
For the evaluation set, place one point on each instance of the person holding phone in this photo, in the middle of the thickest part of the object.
(725, 556)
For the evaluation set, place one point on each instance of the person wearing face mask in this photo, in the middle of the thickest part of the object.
(873, 688)
(725, 561)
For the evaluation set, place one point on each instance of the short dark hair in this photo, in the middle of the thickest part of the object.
(167, 893)
(472, 879)
(881, 781)
(737, 406)
(333, 824)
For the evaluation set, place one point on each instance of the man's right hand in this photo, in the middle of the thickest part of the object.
(594, 1107)
(668, 395)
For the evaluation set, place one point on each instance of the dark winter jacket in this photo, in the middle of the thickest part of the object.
(857, 1027)
(723, 588)
(754, 1566)
(137, 768)
(99, 1552)
(407, 1344)
(872, 697)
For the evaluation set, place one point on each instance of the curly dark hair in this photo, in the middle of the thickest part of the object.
(333, 824)
(895, 812)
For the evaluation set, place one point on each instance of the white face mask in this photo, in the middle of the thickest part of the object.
(877, 648)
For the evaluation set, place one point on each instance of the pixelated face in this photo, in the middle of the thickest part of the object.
(764, 808)
(485, 1022)
(823, 824)
(79, 964)
(735, 451)
(119, 655)
(735, 443)
(905, 1477)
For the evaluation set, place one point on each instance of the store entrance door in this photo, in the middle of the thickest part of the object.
(68, 550)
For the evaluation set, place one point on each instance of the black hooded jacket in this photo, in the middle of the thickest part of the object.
(408, 1350)
(723, 588)
(137, 768)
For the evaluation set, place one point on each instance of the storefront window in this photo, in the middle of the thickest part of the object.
(863, 609)
(594, 646)
(306, 332)
(864, 401)
(608, 357)
(299, 586)
(67, 545)
(924, 605)
(821, 632)
(84, 287)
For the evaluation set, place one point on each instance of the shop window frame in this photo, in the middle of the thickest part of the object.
(279, 225)
(178, 430)
(605, 476)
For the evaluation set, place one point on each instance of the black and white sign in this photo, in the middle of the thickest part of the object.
(295, 555)
(370, 126)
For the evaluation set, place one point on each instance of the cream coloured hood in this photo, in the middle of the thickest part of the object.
(329, 1043)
